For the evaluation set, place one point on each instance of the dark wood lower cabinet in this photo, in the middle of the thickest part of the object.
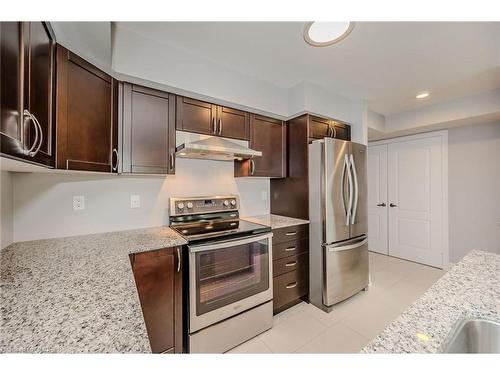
(158, 278)
(290, 266)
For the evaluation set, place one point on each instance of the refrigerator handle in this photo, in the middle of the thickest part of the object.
(348, 247)
(356, 190)
(342, 182)
(351, 188)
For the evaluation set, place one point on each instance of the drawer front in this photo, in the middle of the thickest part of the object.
(286, 249)
(292, 263)
(290, 233)
(289, 287)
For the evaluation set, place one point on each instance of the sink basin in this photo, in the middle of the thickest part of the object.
(474, 336)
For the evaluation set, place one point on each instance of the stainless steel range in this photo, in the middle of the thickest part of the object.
(230, 272)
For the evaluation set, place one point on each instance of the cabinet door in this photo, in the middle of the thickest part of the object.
(148, 130)
(319, 128)
(196, 116)
(86, 119)
(11, 100)
(341, 131)
(39, 58)
(159, 286)
(268, 136)
(232, 123)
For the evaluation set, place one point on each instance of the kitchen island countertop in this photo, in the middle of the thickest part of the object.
(76, 294)
(470, 289)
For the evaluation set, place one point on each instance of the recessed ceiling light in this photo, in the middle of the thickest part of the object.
(321, 34)
(422, 95)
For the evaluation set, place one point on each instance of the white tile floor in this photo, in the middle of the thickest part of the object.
(353, 323)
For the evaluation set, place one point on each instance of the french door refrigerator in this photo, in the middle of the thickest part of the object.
(338, 221)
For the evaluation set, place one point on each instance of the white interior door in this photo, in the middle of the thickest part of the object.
(377, 199)
(415, 185)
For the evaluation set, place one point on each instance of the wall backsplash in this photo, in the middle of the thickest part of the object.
(43, 202)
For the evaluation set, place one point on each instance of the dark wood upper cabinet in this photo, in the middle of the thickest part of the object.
(196, 116)
(232, 123)
(86, 115)
(27, 92)
(268, 136)
(321, 127)
(158, 278)
(148, 130)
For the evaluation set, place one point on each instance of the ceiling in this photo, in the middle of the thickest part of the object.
(386, 63)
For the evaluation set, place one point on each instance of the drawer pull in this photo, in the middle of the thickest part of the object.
(292, 248)
(291, 285)
(290, 233)
(291, 264)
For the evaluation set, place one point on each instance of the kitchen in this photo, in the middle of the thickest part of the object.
(176, 204)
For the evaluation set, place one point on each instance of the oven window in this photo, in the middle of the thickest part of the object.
(228, 275)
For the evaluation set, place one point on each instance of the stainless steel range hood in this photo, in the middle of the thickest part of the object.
(215, 148)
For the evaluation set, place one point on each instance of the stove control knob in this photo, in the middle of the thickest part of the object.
(233, 202)
(180, 206)
(225, 203)
(189, 205)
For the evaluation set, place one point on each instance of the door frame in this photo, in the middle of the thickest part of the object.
(444, 144)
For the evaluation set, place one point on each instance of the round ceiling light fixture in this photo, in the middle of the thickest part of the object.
(321, 34)
(422, 95)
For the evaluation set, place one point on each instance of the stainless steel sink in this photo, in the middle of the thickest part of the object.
(474, 336)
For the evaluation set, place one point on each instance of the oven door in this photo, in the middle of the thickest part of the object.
(226, 278)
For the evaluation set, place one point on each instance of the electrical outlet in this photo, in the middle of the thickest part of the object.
(135, 201)
(78, 202)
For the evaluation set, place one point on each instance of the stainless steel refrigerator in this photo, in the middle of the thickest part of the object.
(338, 243)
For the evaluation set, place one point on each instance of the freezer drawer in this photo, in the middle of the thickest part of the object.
(346, 269)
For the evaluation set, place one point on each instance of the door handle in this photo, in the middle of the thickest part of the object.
(31, 118)
(114, 167)
(393, 205)
(172, 155)
(252, 167)
(381, 205)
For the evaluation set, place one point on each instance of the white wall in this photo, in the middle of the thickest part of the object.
(474, 189)
(6, 210)
(43, 201)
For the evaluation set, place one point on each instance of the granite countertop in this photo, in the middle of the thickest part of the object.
(275, 221)
(76, 294)
(471, 289)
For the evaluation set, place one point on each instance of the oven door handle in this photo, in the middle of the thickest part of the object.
(229, 243)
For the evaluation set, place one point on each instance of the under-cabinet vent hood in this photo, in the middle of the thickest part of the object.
(215, 148)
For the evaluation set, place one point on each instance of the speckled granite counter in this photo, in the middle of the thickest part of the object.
(471, 289)
(75, 294)
(275, 221)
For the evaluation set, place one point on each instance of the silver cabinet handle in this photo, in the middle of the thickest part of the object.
(172, 161)
(290, 233)
(214, 127)
(292, 248)
(32, 119)
(252, 167)
(334, 132)
(178, 259)
(41, 135)
(356, 190)
(330, 131)
(291, 264)
(113, 166)
(220, 127)
(291, 285)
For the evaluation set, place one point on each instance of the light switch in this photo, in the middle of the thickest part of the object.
(135, 201)
(78, 202)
